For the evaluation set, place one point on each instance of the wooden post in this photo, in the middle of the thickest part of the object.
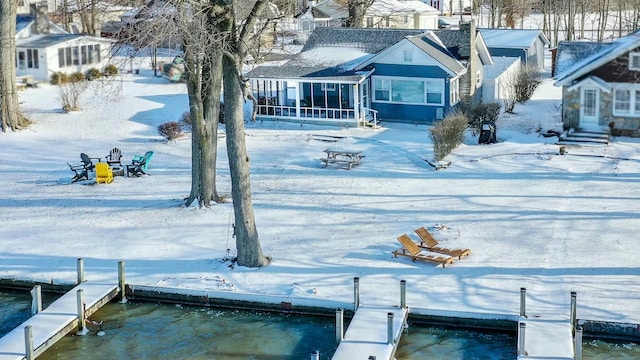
(523, 300)
(28, 342)
(315, 355)
(403, 294)
(339, 325)
(80, 271)
(573, 311)
(356, 293)
(578, 344)
(390, 328)
(36, 299)
(121, 282)
(521, 334)
(82, 329)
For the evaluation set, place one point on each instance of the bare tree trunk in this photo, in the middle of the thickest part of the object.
(10, 115)
(247, 242)
(357, 11)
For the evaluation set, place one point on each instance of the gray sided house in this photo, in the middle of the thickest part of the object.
(353, 76)
(600, 84)
(528, 45)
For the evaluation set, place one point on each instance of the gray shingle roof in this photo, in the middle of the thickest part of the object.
(572, 57)
(369, 41)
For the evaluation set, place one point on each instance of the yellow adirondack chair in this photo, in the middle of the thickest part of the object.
(103, 173)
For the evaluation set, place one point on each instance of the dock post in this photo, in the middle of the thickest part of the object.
(390, 328)
(356, 293)
(523, 302)
(521, 350)
(573, 311)
(315, 355)
(82, 329)
(339, 325)
(578, 344)
(80, 271)
(121, 283)
(36, 299)
(403, 294)
(28, 342)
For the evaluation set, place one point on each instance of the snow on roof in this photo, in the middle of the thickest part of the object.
(500, 64)
(578, 58)
(394, 7)
(512, 38)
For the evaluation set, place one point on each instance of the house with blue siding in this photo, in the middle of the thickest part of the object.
(356, 76)
(527, 44)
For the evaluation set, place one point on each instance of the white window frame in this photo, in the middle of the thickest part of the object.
(328, 86)
(633, 102)
(634, 58)
(454, 87)
(408, 55)
(387, 80)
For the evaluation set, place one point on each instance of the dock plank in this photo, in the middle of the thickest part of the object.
(367, 333)
(547, 339)
(54, 321)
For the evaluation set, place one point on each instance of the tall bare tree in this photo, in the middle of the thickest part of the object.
(357, 11)
(10, 116)
(238, 41)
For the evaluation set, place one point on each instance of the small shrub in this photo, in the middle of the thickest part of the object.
(186, 118)
(447, 134)
(70, 92)
(170, 130)
(58, 78)
(527, 81)
(110, 70)
(93, 74)
(77, 77)
(482, 112)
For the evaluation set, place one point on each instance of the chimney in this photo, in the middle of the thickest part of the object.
(468, 31)
(39, 14)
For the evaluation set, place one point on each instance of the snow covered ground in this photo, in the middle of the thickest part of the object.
(532, 217)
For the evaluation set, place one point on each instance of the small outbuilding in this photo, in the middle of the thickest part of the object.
(527, 44)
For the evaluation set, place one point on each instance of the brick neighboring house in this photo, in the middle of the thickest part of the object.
(600, 84)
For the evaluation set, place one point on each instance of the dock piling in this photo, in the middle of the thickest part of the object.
(36, 299)
(121, 282)
(578, 344)
(339, 325)
(28, 342)
(356, 293)
(403, 294)
(82, 329)
(390, 339)
(80, 271)
(573, 311)
(523, 301)
(521, 333)
(315, 355)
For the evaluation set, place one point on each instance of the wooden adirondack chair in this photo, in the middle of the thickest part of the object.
(114, 157)
(82, 170)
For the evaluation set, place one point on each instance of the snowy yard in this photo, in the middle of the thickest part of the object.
(532, 217)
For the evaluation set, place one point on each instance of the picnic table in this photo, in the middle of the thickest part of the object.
(349, 158)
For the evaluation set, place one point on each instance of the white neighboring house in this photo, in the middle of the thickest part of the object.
(43, 48)
(498, 78)
(401, 14)
(450, 7)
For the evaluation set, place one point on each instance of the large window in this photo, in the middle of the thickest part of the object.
(78, 55)
(626, 102)
(408, 90)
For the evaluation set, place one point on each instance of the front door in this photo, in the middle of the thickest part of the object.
(589, 104)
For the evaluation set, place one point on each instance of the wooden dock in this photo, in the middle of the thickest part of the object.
(56, 321)
(368, 333)
(547, 339)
